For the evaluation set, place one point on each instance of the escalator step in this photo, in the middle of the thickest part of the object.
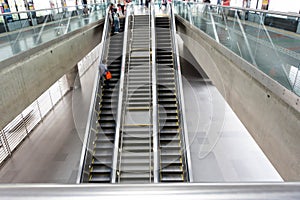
(103, 146)
(137, 161)
(103, 170)
(136, 148)
(99, 178)
(172, 178)
(105, 160)
(135, 176)
(138, 167)
(136, 135)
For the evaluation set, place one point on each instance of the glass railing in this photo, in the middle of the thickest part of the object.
(268, 40)
(21, 31)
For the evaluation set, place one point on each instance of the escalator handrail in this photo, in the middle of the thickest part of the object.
(90, 120)
(179, 90)
(47, 9)
(120, 99)
(154, 100)
(270, 12)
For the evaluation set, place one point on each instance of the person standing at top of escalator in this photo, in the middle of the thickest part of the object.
(116, 20)
(122, 5)
(246, 3)
(85, 8)
(226, 2)
(218, 8)
(226, 10)
(110, 16)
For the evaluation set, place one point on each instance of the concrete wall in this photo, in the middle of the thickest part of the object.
(26, 76)
(269, 111)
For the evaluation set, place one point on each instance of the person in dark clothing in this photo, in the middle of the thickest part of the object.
(111, 17)
(85, 8)
(116, 21)
(103, 70)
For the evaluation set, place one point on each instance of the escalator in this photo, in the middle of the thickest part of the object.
(139, 133)
(100, 168)
(172, 162)
(135, 151)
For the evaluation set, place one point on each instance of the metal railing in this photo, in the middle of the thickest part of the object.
(121, 106)
(184, 132)
(93, 113)
(154, 99)
(20, 128)
(150, 101)
(263, 38)
(213, 191)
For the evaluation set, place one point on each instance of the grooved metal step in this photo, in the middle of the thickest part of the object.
(135, 153)
(171, 164)
(103, 144)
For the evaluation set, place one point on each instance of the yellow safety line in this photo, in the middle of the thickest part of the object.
(96, 111)
(140, 108)
(94, 130)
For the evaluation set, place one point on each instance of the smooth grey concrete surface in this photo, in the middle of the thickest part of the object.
(71, 77)
(221, 148)
(51, 153)
(269, 112)
(27, 75)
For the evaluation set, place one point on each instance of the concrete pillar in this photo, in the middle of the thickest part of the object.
(73, 80)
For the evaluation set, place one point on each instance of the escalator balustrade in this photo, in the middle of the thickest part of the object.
(171, 159)
(102, 154)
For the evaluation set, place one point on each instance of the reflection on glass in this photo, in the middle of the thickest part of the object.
(41, 26)
(263, 39)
